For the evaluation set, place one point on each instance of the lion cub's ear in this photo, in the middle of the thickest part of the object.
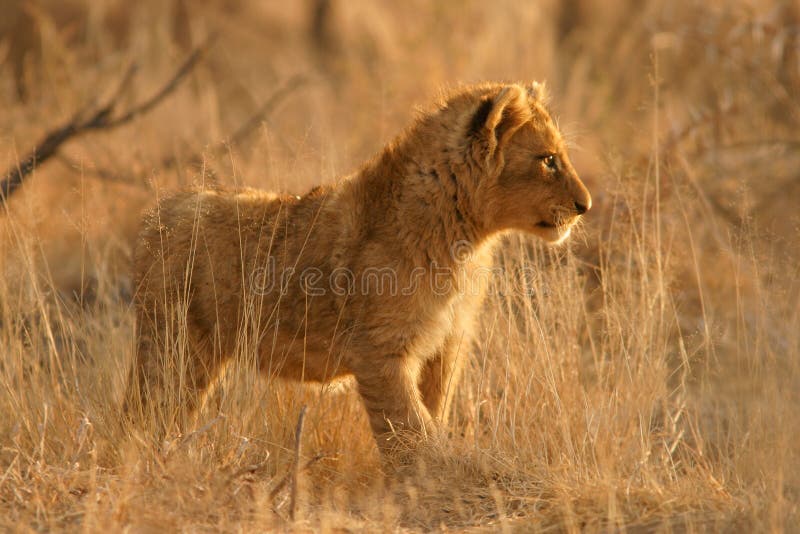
(538, 92)
(496, 119)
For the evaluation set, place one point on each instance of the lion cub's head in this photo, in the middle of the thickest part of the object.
(527, 181)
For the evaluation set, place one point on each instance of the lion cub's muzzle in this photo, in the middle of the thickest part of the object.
(581, 199)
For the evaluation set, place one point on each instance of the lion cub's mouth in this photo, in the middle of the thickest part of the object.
(560, 224)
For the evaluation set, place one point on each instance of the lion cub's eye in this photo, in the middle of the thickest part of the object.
(550, 162)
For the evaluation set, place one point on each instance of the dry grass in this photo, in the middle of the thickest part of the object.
(650, 380)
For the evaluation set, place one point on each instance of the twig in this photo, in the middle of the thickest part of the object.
(246, 129)
(170, 86)
(191, 436)
(170, 446)
(248, 470)
(298, 434)
(101, 119)
(295, 82)
(282, 484)
(102, 174)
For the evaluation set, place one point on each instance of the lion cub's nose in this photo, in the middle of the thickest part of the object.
(581, 208)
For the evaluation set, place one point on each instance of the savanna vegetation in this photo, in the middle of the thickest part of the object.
(648, 378)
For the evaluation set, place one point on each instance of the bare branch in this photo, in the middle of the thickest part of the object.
(168, 88)
(295, 82)
(101, 119)
(101, 174)
(244, 131)
(298, 435)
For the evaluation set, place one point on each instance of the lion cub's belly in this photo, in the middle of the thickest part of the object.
(298, 358)
(325, 352)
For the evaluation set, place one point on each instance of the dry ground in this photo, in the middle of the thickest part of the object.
(649, 380)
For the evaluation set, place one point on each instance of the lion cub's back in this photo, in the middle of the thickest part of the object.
(197, 241)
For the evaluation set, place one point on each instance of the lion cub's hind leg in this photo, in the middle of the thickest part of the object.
(166, 384)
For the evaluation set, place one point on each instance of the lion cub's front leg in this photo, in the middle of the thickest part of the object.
(439, 378)
(391, 396)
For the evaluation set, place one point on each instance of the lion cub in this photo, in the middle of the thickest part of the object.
(368, 277)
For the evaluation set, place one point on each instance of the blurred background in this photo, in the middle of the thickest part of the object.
(715, 85)
(656, 372)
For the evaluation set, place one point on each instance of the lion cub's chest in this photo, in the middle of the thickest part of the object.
(408, 328)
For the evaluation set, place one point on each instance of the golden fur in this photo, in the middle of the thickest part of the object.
(421, 217)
